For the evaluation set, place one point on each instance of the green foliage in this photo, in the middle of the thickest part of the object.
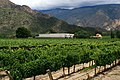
(33, 68)
(115, 34)
(23, 63)
(118, 33)
(23, 32)
(16, 71)
(82, 34)
(112, 34)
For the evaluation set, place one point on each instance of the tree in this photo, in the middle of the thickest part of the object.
(98, 31)
(23, 32)
(112, 34)
(82, 34)
(118, 34)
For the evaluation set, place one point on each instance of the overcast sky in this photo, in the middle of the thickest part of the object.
(49, 4)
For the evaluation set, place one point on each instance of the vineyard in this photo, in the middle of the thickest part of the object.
(25, 58)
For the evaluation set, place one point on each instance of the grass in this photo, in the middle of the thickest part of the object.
(87, 68)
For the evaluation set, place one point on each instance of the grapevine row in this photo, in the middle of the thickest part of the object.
(26, 63)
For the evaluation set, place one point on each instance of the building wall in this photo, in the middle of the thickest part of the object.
(55, 35)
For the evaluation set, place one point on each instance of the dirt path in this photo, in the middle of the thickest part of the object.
(113, 74)
(58, 73)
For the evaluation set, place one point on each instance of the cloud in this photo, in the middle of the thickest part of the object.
(49, 4)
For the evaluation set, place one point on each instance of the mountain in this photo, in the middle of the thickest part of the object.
(104, 16)
(13, 16)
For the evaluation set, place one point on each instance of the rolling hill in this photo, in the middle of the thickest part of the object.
(13, 16)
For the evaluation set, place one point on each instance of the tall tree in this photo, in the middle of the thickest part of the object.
(23, 32)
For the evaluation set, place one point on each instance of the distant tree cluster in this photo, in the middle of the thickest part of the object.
(118, 34)
(98, 32)
(115, 34)
(23, 32)
(82, 34)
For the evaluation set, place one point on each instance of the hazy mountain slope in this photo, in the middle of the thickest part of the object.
(104, 16)
(13, 16)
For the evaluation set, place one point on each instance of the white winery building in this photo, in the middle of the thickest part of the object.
(55, 35)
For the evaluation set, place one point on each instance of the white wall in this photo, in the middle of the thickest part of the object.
(62, 35)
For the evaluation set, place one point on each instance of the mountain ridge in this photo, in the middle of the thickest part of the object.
(90, 16)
